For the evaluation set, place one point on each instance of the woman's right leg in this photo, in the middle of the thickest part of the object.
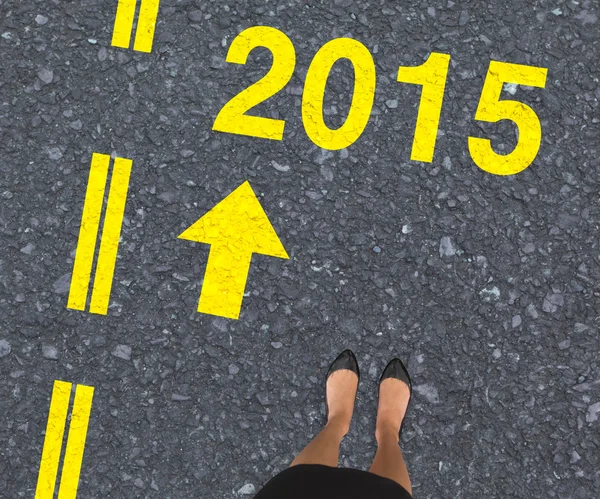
(388, 462)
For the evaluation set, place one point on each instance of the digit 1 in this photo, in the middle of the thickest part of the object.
(432, 76)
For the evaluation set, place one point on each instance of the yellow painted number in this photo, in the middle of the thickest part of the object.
(362, 98)
(231, 118)
(492, 109)
(432, 76)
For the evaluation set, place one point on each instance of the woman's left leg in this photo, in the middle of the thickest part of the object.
(325, 447)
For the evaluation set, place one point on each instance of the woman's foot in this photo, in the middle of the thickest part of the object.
(393, 401)
(341, 390)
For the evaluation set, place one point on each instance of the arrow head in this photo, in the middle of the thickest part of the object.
(239, 223)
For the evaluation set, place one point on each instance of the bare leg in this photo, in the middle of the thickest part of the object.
(388, 462)
(325, 447)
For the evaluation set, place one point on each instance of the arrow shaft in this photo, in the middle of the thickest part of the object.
(224, 281)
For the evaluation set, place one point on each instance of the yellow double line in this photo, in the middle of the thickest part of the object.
(145, 27)
(88, 233)
(57, 418)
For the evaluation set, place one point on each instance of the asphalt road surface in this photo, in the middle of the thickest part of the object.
(487, 285)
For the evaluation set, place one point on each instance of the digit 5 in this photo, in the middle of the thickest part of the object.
(492, 110)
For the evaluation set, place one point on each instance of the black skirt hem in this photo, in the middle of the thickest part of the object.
(318, 481)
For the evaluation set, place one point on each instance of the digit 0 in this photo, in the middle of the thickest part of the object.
(362, 98)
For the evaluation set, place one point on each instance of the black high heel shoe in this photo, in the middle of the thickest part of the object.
(345, 360)
(396, 369)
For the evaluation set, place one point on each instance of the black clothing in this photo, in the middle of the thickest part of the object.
(317, 481)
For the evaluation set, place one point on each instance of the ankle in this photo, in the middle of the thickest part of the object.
(387, 418)
(386, 431)
(340, 424)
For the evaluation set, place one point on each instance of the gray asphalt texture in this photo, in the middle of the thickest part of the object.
(488, 286)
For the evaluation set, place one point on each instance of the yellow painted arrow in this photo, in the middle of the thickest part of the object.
(235, 228)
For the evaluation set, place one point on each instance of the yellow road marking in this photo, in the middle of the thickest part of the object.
(88, 232)
(235, 228)
(431, 75)
(123, 23)
(224, 282)
(145, 27)
(144, 34)
(111, 233)
(57, 417)
(80, 418)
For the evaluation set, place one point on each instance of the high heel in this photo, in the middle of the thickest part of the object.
(345, 360)
(396, 369)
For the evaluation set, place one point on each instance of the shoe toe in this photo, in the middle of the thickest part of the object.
(396, 369)
(345, 360)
